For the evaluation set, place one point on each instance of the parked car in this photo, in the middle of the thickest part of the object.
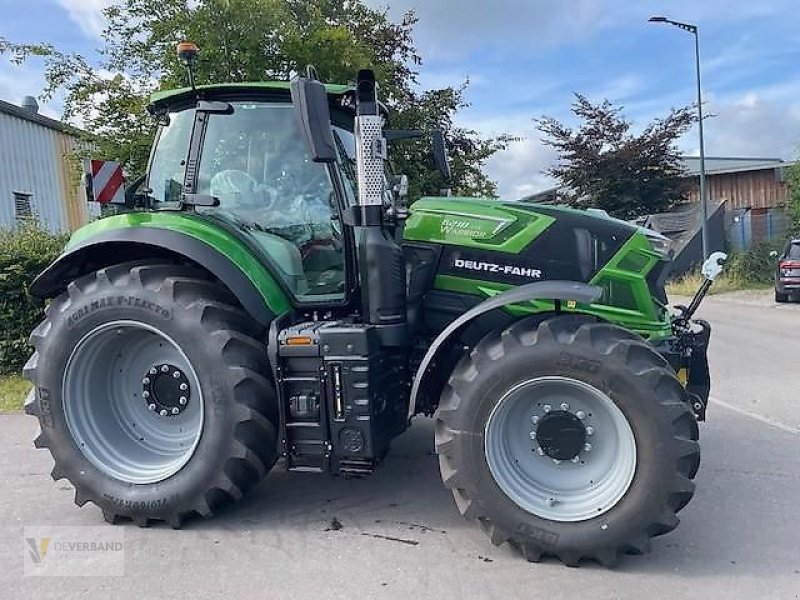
(787, 273)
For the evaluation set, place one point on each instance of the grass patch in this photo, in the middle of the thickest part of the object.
(13, 389)
(690, 283)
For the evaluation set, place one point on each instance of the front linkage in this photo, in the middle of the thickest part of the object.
(687, 350)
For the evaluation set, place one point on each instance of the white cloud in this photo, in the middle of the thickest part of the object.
(87, 14)
(18, 81)
(447, 29)
(754, 124)
(519, 170)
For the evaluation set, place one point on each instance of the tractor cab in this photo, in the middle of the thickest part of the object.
(238, 156)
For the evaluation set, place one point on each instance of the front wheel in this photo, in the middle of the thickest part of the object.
(152, 394)
(568, 438)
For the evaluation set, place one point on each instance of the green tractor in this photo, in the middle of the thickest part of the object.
(266, 294)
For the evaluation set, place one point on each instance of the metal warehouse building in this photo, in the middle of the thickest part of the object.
(37, 174)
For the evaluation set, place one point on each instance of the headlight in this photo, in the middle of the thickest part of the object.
(659, 243)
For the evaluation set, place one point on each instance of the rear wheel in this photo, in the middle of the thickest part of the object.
(780, 297)
(569, 438)
(152, 394)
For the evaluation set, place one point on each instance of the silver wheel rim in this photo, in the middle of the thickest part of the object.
(521, 460)
(110, 413)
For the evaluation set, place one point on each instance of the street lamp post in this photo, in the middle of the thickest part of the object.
(703, 193)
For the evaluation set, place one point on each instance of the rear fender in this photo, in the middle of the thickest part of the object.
(262, 302)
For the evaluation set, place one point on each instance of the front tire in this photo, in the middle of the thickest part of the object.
(513, 446)
(152, 393)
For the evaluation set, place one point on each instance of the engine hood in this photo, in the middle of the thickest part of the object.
(501, 225)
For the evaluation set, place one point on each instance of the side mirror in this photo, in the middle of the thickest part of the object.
(311, 108)
(440, 157)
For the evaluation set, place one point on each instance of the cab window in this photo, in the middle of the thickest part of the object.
(168, 165)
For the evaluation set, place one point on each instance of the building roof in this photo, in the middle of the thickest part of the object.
(720, 165)
(34, 117)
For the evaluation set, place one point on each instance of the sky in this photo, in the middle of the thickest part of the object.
(526, 58)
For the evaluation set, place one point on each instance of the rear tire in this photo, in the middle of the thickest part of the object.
(780, 298)
(150, 445)
(642, 481)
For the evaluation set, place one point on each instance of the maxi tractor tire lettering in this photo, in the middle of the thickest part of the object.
(568, 438)
(152, 394)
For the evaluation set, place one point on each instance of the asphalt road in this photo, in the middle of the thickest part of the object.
(401, 535)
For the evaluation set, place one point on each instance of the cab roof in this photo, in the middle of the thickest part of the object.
(165, 97)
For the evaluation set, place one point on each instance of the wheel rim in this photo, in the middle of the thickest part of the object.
(132, 402)
(560, 449)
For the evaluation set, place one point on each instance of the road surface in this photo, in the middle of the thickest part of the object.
(397, 534)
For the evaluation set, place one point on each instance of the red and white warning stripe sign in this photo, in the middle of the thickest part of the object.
(107, 182)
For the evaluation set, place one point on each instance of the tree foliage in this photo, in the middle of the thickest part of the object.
(24, 253)
(253, 40)
(604, 164)
(793, 203)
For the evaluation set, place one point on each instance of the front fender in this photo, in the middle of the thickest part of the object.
(140, 236)
(541, 290)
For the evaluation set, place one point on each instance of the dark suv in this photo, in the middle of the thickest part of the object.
(787, 275)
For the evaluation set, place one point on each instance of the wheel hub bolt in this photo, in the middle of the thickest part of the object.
(581, 415)
(152, 371)
(151, 406)
(183, 387)
(163, 412)
(145, 394)
(547, 408)
(540, 451)
(146, 380)
(533, 435)
(175, 411)
(177, 374)
(564, 406)
(164, 368)
(587, 447)
(589, 430)
(556, 461)
(575, 459)
(534, 419)
(182, 400)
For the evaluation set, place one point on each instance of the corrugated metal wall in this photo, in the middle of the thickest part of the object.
(746, 227)
(36, 160)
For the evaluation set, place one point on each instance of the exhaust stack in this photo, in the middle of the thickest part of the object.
(382, 272)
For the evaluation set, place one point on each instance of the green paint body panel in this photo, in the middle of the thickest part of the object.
(483, 224)
(202, 230)
(491, 225)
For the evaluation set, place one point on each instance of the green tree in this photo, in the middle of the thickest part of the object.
(604, 165)
(793, 203)
(243, 40)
